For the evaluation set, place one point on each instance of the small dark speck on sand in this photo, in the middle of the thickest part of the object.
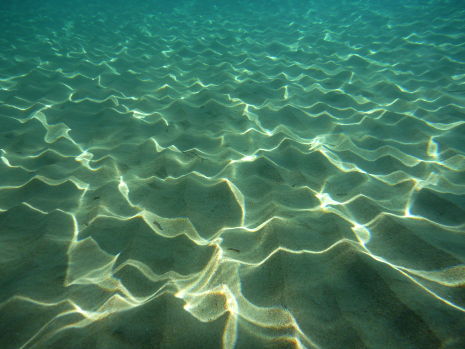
(96, 197)
(234, 249)
(158, 225)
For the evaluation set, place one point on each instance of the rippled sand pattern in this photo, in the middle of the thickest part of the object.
(214, 181)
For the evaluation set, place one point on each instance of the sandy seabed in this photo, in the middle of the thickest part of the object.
(228, 180)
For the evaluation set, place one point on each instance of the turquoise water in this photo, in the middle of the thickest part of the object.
(266, 174)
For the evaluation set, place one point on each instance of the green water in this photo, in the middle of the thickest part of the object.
(195, 174)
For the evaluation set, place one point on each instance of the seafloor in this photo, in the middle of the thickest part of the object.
(232, 176)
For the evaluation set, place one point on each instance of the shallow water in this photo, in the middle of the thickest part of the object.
(236, 175)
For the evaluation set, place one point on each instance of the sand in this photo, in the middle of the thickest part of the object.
(208, 180)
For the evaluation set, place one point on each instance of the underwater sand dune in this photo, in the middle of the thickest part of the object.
(214, 181)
